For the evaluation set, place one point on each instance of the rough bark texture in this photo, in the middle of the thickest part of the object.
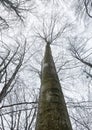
(52, 111)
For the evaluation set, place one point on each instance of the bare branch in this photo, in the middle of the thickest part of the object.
(8, 82)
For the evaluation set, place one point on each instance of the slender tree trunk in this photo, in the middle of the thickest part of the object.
(52, 110)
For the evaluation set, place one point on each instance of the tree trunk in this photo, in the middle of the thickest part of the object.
(52, 110)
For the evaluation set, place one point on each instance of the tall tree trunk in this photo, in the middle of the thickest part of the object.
(52, 110)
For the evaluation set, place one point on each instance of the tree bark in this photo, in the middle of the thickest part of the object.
(52, 110)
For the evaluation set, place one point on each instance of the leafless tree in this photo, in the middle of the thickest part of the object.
(81, 115)
(13, 11)
(79, 50)
(20, 115)
(10, 63)
(50, 91)
(88, 7)
(83, 8)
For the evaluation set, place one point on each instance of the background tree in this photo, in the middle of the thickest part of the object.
(7, 76)
(13, 11)
(81, 51)
(18, 107)
(19, 113)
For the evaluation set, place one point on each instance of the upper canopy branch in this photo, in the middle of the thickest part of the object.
(51, 30)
